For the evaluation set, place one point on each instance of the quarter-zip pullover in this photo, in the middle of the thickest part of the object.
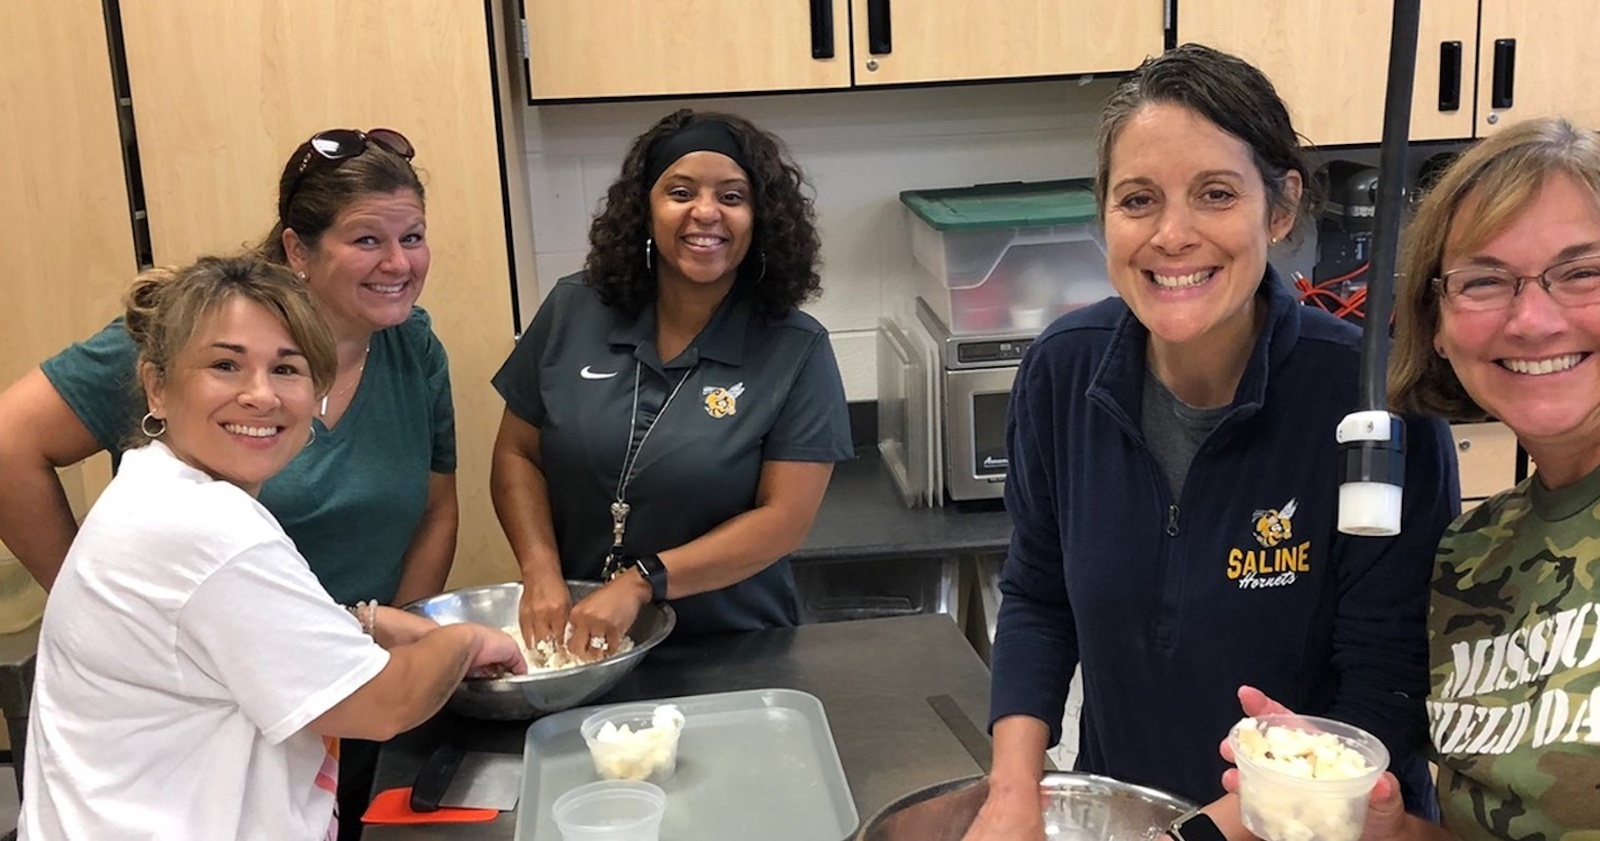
(1171, 604)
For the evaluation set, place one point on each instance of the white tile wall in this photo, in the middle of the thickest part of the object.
(859, 149)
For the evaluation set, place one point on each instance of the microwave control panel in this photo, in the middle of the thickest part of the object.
(991, 352)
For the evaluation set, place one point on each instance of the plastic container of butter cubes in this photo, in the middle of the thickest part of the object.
(1303, 778)
(634, 741)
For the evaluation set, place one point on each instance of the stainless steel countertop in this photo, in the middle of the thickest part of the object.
(875, 679)
(863, 516)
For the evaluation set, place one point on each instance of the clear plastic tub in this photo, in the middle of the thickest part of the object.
(640, 744)
(1281, 800)
(1007, 257)
(611, 810)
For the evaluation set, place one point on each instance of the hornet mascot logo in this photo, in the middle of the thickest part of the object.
(722, 402)
(1274, 525)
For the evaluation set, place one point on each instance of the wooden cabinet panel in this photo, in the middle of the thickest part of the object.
(64, 203)
(605, 48)
(1329, 60)
(955, 40)
(1553, 74)
(223, 92)
(1486, 454)
(63, 194)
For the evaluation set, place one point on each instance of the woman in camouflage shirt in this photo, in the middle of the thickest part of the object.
(1499, 316)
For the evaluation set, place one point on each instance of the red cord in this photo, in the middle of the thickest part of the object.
(1357, 272)
(1341, 306)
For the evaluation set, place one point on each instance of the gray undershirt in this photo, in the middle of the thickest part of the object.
(1174, 429)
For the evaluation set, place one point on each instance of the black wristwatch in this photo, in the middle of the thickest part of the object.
(654, 573)
(1195, 826)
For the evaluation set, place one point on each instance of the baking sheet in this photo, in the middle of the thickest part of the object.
(754, 764)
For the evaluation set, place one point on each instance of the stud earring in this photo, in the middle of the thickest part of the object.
(649, 254)
(300, 276)
(144, 425)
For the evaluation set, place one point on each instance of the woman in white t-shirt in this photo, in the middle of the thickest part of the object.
(193, 678)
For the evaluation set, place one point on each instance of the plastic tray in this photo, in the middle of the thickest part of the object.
(754, 764)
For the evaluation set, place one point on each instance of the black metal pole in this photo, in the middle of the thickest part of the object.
(1391, 204)
(1372, 439)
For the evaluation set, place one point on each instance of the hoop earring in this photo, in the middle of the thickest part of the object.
(144, 425)
(763, 275)
(649, 247)
(313, 439)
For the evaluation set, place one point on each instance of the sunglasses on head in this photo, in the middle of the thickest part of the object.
(341, 144)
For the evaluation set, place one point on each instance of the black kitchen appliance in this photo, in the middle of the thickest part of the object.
(1344, 240)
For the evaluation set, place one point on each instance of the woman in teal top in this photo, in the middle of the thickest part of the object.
(371, 503)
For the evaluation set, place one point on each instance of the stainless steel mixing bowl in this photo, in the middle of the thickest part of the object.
(1081, 807)
(528, 696)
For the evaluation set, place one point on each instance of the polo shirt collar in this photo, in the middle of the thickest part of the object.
(721, 340)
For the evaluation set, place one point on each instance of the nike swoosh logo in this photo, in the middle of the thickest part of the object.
(588, 374)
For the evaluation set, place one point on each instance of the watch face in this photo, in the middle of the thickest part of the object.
(655, 573)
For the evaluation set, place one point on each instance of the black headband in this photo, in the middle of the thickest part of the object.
(695, 136)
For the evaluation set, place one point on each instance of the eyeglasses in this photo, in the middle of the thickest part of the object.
(341, 144)
(1570, 283)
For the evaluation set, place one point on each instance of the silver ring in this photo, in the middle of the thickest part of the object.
(597, 642)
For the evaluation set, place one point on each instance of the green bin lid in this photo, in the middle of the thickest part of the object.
(1015, 204)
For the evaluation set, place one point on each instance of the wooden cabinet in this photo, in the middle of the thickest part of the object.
(1329, 60)
(623, 48)
(607, 48)
(222, 92)
(1486, 455)
(960, 40)
(63, 193)
(64, 206)
(1533, 61)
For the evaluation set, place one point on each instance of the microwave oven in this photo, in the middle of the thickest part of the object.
(976, 372)
(975, 431)
(942, 408)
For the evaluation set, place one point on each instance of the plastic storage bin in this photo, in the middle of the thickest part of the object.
(1007, 257)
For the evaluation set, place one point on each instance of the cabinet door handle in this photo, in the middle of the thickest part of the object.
(822, 28)
(1450, 76)
(879, 40)
(1505, 72)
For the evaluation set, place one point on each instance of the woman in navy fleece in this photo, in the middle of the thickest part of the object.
(1174, 477)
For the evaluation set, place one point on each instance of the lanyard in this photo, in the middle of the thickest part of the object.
(630, 461)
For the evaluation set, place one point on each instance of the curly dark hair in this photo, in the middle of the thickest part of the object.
(785, 225)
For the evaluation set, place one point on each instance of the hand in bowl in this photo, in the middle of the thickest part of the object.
(497, 653)
(543, 610)
(1014, 814)
(603, 617)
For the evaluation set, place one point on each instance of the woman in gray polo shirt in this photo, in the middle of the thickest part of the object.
(672, 418)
